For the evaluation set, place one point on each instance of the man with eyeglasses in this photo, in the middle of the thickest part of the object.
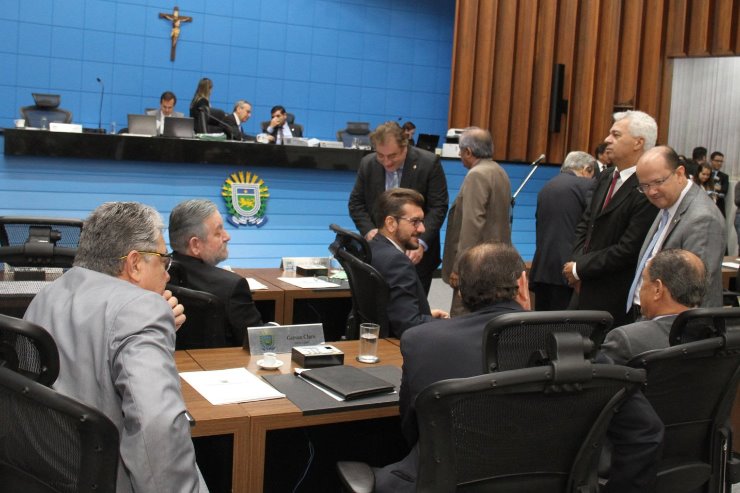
(114, 326)
(200, 242)
(688, 220)
(396, 164)
(613, 227)
(400, 214)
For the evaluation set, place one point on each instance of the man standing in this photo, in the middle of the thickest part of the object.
(199, 242)
(721, 180)
(673, 281)
(560, 205)
(687, 219)
(167, 103)
(114, 326)
(603, 160)
(613, 227)
(481, 209)
(242, 112)
(400, 214)
(278, 129)
(395, 164)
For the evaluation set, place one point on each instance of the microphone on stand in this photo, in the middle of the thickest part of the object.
(535, 164)
(100, 111)
(538, 160)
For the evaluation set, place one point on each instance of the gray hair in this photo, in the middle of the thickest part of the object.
(114, 229)
(640, 125)
(489, 273)
(241, 103)
(479, 142)
(680, 275)
(187, 220)
(577, 160)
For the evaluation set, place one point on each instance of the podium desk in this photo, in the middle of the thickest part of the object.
(249, 422)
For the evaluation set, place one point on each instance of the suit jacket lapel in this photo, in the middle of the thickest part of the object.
(408, 178)
(682, 209)
(621, 194)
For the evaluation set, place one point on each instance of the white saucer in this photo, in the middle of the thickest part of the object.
(278, 364)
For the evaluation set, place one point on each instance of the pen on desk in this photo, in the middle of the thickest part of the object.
(190, 418)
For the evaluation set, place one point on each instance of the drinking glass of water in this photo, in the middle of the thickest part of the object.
(369, 334)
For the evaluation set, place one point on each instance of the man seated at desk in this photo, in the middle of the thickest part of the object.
(242, 112)
(278, 128)
(167, 103)
(114, 325)
(493, 281)
(199, 242)
(400, 214)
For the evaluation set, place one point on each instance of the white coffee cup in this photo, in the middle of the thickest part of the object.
(269, 359)
(20, 123)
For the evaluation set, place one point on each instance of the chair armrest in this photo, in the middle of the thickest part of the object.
(356, 477)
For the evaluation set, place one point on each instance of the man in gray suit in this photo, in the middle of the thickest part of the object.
(688, 219)
(167, 102)
(674, 281)
(114, 325)
(481, 210)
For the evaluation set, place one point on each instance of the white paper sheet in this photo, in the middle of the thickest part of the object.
(254, 284)
(308, 282)
(731, 265)
(230, 386)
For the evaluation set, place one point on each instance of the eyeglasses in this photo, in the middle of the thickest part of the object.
(644, 187)
(166, 256)
(415, 221)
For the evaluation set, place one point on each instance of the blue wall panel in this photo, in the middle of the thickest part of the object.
(328, 61)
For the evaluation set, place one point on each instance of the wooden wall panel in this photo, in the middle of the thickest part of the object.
(615, 52)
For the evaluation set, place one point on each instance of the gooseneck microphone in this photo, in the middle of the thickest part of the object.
(535, 164)
(538, 160)
(100, 111)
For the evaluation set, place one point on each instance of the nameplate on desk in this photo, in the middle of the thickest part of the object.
(282, 338)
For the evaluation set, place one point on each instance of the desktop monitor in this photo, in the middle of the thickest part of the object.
(142, 125)
(179, 127)
(427, 142)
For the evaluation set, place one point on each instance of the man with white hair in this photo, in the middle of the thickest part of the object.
(114, 325)
(560, 205)
(612, 229)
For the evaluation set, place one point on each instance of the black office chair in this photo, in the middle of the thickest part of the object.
(370, 291)
(28, 349)
(702, 323)
(204, 325)
(535, 429)
(47, 106)
(39, 241)
(692, 388)
(515, 340)
(355, 130)
(50, 443)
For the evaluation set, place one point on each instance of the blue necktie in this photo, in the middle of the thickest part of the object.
(646, 256)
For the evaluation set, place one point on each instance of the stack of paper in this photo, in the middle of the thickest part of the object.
(230, 386)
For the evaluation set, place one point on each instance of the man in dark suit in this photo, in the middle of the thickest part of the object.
(603, 161)
(493, 281)
(395, 164)
(560, 205)
(609, 236)
(673, 282)
(400, 214)
(199, 242)
(242, 112)
(721, 180)
(688, 220)
(167, 102)
(278, 128)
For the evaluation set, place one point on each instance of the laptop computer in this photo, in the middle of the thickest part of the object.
(142, 125)
(427, 142)
(179, 127)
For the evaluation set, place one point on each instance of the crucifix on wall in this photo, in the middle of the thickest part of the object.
(176, 19)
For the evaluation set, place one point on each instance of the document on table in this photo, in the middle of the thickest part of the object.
(230, 386)
(254, 284)
(731, 265)
(308, 282)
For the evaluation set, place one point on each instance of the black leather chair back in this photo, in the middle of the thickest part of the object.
(39, 241)
(516, 340)
(50, 443)
(702, 323)
(28, 349)
(205, 324)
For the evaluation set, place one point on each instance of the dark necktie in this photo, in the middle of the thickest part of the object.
(280, 135)
(611, 189)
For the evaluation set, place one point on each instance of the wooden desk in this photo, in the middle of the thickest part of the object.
(250, 422)
(273, 293)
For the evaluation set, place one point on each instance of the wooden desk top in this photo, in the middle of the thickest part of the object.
(271, 275)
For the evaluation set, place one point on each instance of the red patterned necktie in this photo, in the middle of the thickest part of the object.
(611, 189)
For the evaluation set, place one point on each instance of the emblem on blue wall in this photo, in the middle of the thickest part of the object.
(246, 197)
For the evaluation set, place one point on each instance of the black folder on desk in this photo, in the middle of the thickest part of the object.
(311, 400)
(347, 381)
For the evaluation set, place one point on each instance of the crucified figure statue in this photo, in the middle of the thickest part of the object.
(176, 19)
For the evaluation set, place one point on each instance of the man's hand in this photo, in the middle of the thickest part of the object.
(276, 121)
(454, 280)
(177, 309)
(371, 234)
(436, 313)
(568, 273)
(415, 255)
